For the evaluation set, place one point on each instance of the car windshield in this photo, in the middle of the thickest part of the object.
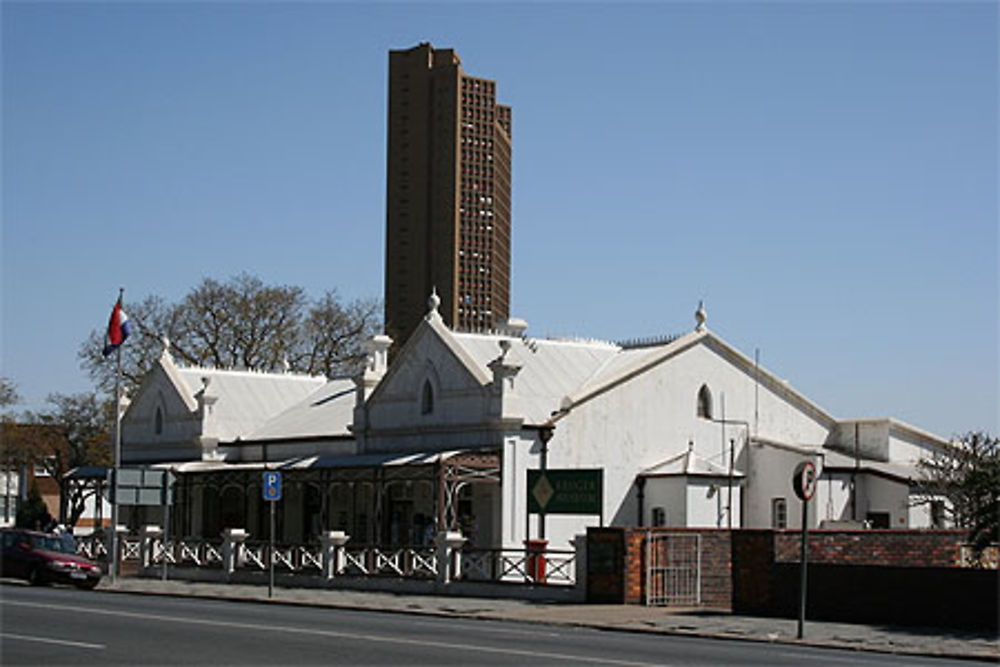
(47, 543)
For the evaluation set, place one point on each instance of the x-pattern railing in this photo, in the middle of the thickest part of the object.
(500, 565)
(519, 565)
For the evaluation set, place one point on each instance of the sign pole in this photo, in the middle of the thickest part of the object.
(804, 484)
(166, 522)
(803, 555)
(271, 489)
(270, 557)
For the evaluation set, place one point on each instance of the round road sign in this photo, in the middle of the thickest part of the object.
(804, 480)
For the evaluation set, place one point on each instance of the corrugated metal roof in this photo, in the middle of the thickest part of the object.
(550, 369)
(327, 412)
(370, 460)
(248, 399)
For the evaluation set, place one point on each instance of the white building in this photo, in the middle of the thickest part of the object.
(682, 432)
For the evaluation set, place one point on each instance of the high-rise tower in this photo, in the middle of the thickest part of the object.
(448, 194)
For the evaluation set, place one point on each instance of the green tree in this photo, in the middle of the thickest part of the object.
(967, 475)
(33, 514)
(240, 323)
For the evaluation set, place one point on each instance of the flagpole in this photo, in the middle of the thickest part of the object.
(118, 453)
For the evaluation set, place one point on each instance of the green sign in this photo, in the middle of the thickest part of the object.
(566, 491)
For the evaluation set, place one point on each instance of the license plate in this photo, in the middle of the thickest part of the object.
(77, 575)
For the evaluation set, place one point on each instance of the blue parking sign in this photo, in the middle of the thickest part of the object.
(272, 485)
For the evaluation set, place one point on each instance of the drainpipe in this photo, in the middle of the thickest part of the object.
(640, 483)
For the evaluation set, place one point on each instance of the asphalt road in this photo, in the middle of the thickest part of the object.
(63, 626)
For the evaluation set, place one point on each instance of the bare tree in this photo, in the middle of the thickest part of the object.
(241, 323)
(8, 392)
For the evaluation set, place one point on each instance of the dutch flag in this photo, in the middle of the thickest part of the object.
(118, 329)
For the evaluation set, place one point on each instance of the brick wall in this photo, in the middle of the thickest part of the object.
(938, 548)
(875, 576)
(716, 564)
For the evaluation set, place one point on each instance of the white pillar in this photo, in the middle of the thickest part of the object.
(147, 548)
(113, 538)
(333, 552)
(449, 562)
(232, 549)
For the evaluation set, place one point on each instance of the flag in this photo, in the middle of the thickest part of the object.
(118, 329)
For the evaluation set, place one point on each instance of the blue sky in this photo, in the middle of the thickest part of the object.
(823, 175)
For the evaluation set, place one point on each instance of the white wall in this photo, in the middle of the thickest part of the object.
(181, 427)
(833, 497)
(652, 417)
(878, 494)
(669, 493)
(769, 476)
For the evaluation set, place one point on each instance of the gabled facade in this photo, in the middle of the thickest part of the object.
(684, 432)
(195, 413)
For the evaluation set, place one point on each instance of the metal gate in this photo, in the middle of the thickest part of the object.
(673, 569)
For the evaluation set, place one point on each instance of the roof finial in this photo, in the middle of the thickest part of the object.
(165, 353)
(433, 301)
(700, 316)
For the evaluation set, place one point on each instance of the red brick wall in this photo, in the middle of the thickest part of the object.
(938, 548)
(742, 562)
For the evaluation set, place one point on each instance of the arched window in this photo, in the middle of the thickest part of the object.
(158, 421)
(704, 402)
(427, 399)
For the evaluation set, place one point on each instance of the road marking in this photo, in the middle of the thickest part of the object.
(341, 635)
(49, 640)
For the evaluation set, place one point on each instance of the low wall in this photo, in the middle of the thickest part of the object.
(873, 576)
(877, 576)
(516, 591)
(930, 548)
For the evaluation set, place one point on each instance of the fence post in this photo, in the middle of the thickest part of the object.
(147, 547)
(333, 552)
(449, 562)
(535, 559)
(580, 544)
(111, 541)
(232, 549)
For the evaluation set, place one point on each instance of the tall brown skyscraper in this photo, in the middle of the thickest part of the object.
(448, 194)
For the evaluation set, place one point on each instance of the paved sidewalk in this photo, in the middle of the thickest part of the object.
(630, 618)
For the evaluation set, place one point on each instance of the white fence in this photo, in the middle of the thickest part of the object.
(447, 560)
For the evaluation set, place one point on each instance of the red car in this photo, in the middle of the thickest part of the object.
(42, 559)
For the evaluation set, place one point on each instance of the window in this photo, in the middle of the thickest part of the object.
(878, 519)
(779, 513)
(704, 402)
(427, 399)
(659, 516)
(158, 422)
